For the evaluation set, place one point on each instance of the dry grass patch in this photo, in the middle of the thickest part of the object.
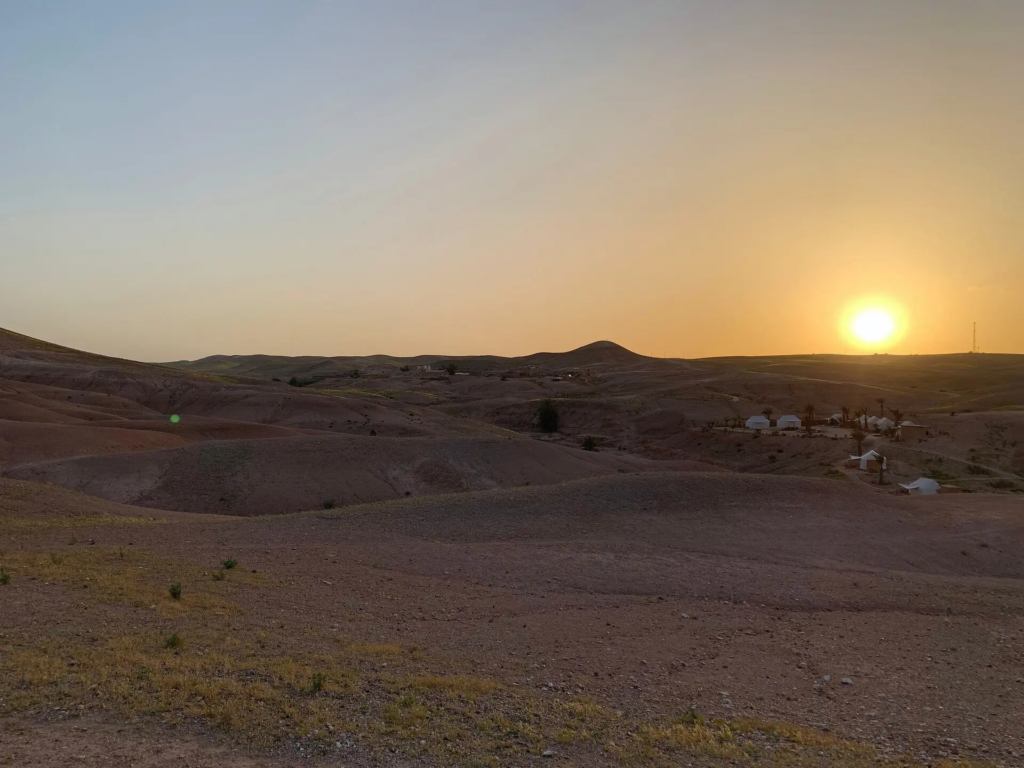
(120, 575)
(457, 686)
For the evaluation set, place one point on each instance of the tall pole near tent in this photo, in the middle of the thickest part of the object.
(974, 344)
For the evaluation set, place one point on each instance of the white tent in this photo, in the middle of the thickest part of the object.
(885, 423)
(835, 419)
(923, 485)
(869, 456)
(872, 421)
(758, 422)
(788, 422)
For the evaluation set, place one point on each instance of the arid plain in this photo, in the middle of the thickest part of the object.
(257, 561)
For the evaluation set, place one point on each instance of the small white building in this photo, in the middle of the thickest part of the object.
(922, 486)
(869, 461)
(788, 422)
(758, 422)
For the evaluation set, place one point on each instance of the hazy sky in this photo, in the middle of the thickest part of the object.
(180, 179)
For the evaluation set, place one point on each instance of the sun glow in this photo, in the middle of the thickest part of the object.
(873, 323)
(873, 326)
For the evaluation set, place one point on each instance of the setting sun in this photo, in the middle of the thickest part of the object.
(873, 326)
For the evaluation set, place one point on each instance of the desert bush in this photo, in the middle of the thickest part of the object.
(173, 641)
(175, 591)
(977, 469)
(220, 575)
(451, 368)
(547, 416)
(589, 443)
(329, 504)
(317, 685)
(772, 458)
(404, 369)
(229, 564)
(5, 577)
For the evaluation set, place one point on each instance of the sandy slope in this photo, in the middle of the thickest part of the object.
(252, 477)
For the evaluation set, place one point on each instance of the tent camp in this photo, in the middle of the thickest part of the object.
(836, 419)
(869, 461)
(885, 423)
(758, 422)
(788, 422)
(923, 485)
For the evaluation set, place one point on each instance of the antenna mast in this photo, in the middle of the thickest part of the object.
(974, 344)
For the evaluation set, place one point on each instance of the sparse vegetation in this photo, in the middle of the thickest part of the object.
(5, 577)
(229, 564)
(451, 369)
(977, 469)
(220, 574)
(173, 641)
(175, 591)
(589, 443)
(329, 504)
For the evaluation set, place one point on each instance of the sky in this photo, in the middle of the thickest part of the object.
(689, 179)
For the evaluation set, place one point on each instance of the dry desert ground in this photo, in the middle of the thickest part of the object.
(379, 564)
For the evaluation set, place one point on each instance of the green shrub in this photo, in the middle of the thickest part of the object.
(319, 678)
(5, 577)
(589, 443)
(229, 564)
(329, 504)
(977, 469)
(172, 641)
(451, 368)
(547, 416)
(175, 591)
(220, 575)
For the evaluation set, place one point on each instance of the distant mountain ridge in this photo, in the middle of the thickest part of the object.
(594, 354)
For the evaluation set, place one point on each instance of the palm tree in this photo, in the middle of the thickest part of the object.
(897, 417)
(767, 413)
(881, 469)
(862, 416)
(808, 416)
(881, 406)
(859, 436)
(846, 414)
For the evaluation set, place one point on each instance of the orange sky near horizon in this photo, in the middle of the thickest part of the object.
(684, 178)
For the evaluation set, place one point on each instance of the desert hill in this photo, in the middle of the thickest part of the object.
(455, 571)
(258, 477)
(276, 366)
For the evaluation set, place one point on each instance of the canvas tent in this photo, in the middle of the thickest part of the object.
(923, 485)
(758, 422)
(788, 422)
(836, 419)
(885, 423)
(869, 461)
(909, 431)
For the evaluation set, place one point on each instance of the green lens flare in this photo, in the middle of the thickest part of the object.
(175, 419)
